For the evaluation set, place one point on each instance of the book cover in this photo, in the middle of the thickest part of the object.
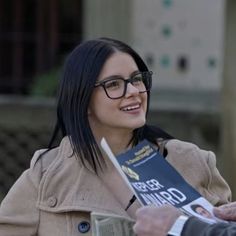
(154, 181)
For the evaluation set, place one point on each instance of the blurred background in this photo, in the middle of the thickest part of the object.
(188, 44)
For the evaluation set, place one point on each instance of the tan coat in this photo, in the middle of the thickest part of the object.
(56, 195)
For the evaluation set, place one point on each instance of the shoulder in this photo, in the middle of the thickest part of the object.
(178, 145)
(185, 154)
(190, 153)
(43, 159)
(184, 149)
(188, 158)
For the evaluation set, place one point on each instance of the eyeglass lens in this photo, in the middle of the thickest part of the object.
(116, 87)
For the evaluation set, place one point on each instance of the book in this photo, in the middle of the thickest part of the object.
(154, 181)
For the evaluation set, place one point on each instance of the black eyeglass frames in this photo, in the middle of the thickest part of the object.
(116, 86)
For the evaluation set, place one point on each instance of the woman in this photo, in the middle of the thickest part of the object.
(104, 92)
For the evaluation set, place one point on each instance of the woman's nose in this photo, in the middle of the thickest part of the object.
(131, 90)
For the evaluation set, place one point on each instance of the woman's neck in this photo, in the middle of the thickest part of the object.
(117, 141)
(118, 145)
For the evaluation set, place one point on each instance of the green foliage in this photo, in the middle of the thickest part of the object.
(45, 85)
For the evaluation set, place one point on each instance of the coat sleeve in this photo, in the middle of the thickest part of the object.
(198, 168)
(18, 213)
(196, 227)
(217, 186)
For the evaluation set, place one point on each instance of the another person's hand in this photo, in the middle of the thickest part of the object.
(226, 212)
(155, 221)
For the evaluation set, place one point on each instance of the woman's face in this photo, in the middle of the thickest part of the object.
(127, 112)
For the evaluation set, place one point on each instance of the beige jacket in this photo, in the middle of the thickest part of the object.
(55, 196)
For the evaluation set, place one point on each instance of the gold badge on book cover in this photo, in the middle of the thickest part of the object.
(130, 172)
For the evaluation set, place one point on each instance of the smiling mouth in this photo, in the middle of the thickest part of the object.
(131, 108)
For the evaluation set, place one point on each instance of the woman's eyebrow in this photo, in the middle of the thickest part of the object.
(118, 76)
(134, 72)
(111, 77)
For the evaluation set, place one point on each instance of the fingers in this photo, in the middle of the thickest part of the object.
(226, 212)
(155, 221)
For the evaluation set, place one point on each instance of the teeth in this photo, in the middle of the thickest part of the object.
(130, 108)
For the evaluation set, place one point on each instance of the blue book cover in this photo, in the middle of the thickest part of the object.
(154, 181)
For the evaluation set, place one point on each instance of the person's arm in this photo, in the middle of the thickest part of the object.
(18, 213)
(158, 221)
(196, 227)
(218, 190)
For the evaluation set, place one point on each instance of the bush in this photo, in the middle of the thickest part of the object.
(45, 85)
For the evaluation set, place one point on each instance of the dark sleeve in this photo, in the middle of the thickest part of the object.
(196, 227)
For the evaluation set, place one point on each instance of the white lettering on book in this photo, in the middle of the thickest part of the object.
(151, 184)
(170, 196)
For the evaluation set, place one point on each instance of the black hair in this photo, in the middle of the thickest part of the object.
(81, 70)
(195, 206)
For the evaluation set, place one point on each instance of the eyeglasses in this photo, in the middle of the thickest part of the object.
(116, 86)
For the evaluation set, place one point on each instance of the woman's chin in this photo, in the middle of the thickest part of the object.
(138, 124)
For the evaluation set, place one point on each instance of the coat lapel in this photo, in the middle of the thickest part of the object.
(68, 186)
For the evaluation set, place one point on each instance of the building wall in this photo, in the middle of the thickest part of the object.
(182, 41)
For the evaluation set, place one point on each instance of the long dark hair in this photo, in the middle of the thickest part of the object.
(81, 70)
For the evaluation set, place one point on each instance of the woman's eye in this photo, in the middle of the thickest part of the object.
(137, 79)
(113, 84)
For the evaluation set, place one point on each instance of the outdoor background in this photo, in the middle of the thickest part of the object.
(188, 44)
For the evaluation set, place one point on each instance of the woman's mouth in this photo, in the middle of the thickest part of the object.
(131, 107)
